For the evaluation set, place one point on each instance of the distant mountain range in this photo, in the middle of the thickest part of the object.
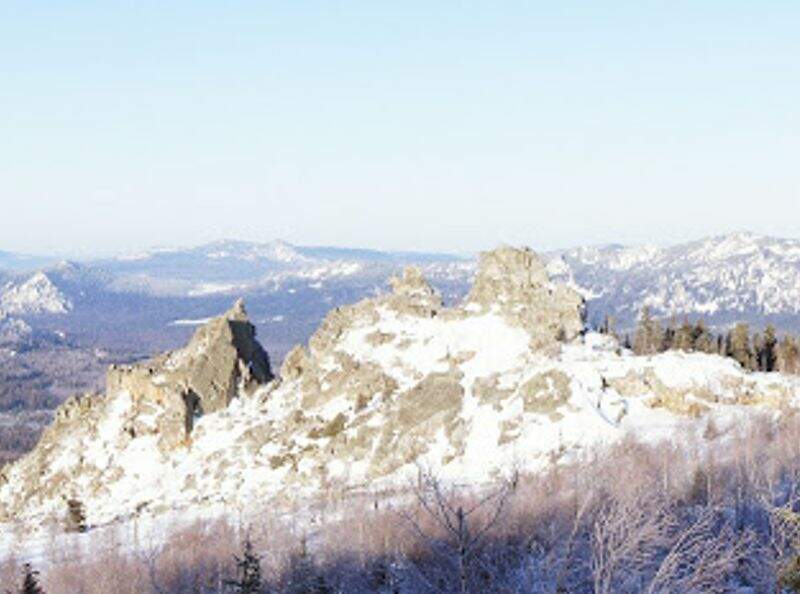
(289, 288)
(736, 277)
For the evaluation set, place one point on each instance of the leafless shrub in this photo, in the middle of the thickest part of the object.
(701, 558)
(632, 518)
(628, 533)
(461, 524)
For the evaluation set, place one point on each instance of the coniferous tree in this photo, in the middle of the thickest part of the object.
(670, 334)
(30, 582)
(609, 326)
(788, 356)
(739, 347)
(640, 338)
(649, 336)
(758, 352)
(769, 354)
(684, 337)
(702, 339)
(248, 571)
(304, 577)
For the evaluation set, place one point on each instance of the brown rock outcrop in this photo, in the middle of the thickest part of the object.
(515, 282)
(204, 376)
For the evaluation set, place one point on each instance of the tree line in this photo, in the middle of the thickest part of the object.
(753, 351)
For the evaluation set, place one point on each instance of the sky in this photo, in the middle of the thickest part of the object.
(451, 126)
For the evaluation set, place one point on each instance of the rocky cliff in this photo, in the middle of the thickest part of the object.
(507, 379)
(222, 361)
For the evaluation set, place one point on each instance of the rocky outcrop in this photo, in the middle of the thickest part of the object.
(157, 400)
(222, 360)
(384, 386)
(515, 282)
(411, 294)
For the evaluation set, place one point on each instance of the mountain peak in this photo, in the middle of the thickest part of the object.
(222, 359)
(35, 295)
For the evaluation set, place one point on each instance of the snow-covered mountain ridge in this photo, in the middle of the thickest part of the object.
(34, 295)
(737, 277)
(725, 279)
(505, 380)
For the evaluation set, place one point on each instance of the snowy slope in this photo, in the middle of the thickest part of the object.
(384, 386)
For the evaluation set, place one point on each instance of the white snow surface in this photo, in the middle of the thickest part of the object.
(224, 467)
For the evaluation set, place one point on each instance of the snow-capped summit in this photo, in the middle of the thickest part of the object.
(740, 276)
(34, 295)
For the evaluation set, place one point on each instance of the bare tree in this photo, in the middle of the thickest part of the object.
(572, 540)
(785, 542)
(463, 523)
(627, 534)
(149, 558)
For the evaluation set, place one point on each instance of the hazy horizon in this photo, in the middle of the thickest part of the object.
(404, 127)
(132, 252)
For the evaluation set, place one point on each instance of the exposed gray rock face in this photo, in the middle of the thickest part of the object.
(516, 281)
(222, 359)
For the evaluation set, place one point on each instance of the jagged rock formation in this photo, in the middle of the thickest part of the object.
(158, 399)
(222, 360)
(516, 281)
(505, 379)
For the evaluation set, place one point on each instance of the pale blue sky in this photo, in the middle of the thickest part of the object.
(414, 125)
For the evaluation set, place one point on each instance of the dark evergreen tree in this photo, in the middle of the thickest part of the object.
(769, 354)
(248, 571)
(740, 348)
(670, 333)
(684, 337)
(30, 582)
(303, 575)
(649, 337)
(609, 326)
(626, 343)
(702, 339)
(758, 352)
(788, 355)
